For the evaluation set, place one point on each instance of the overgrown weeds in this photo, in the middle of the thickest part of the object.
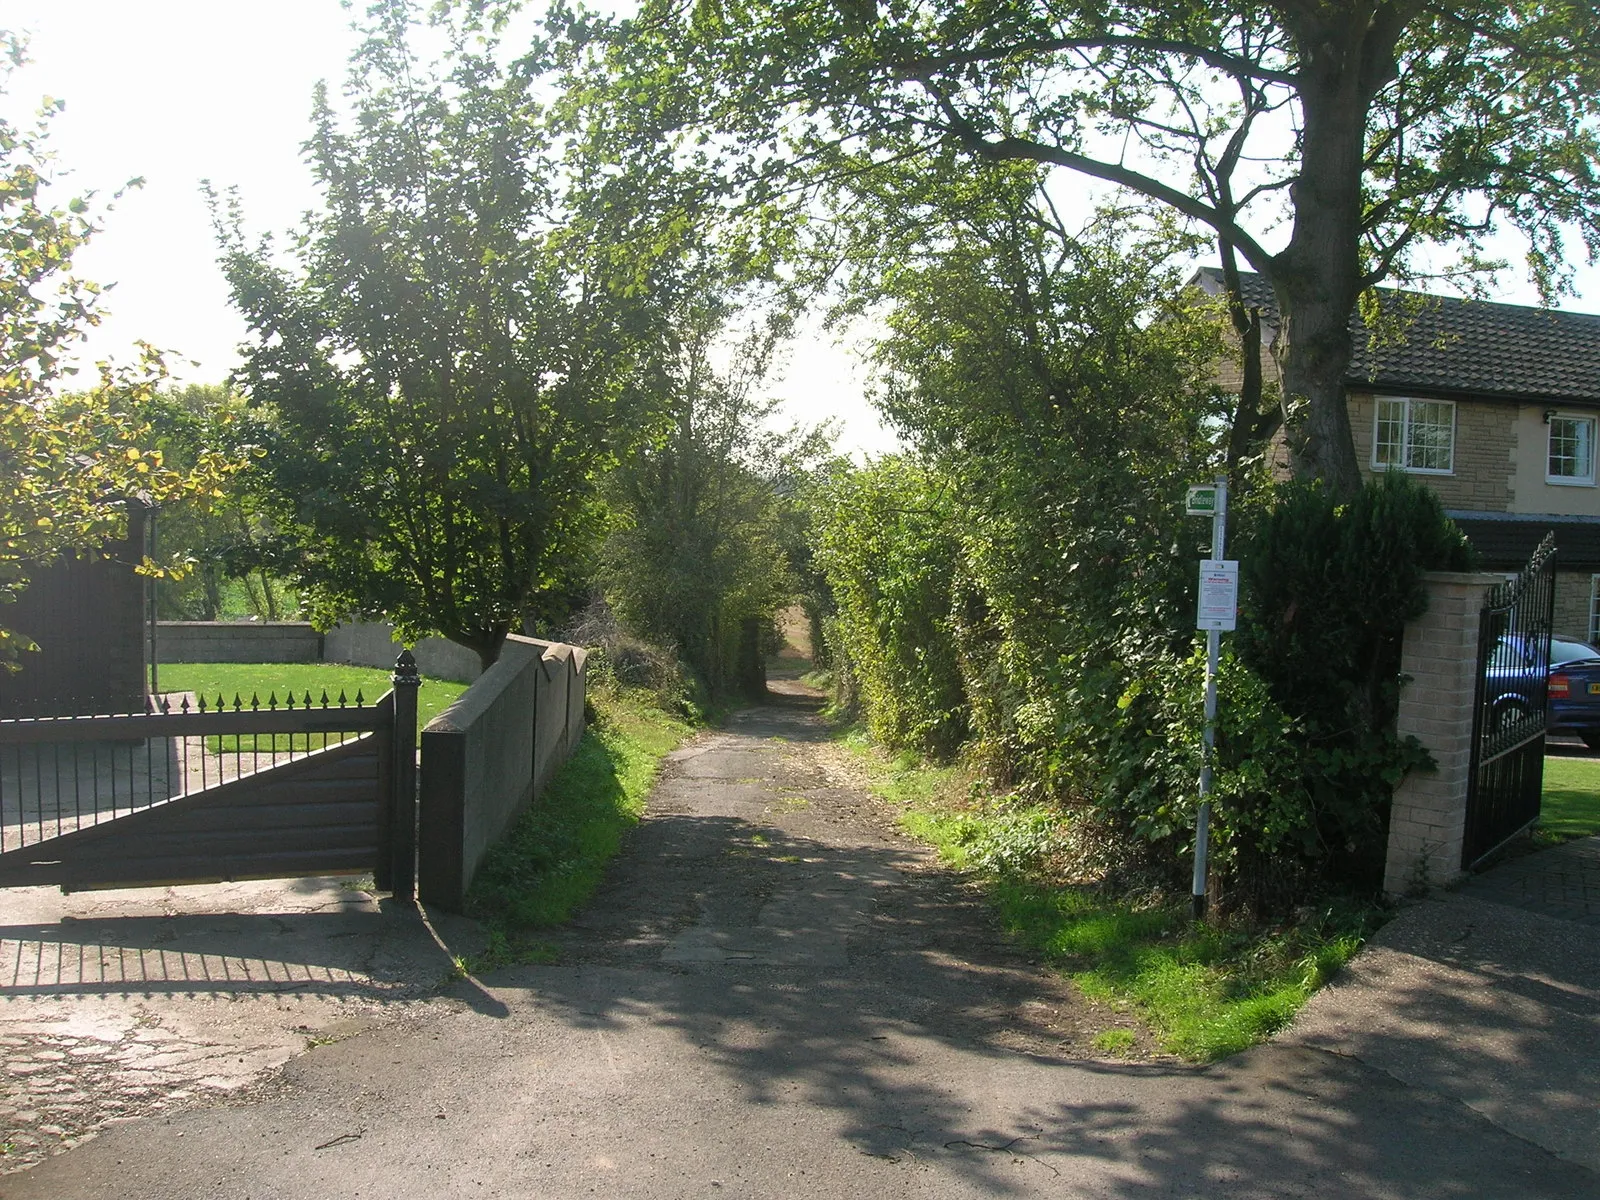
(1206, 989)
(556, 853)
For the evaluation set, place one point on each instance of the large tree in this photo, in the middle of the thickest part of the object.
(452, 354)
(1327, 143)
(70, 462)
(694, 550)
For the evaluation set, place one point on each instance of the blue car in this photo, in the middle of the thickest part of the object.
(1572, 686)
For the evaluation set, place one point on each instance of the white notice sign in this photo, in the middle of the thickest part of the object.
(1219, 593)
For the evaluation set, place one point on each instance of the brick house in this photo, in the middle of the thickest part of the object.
(1494, 406)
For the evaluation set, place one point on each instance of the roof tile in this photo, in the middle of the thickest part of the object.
(1456, 345)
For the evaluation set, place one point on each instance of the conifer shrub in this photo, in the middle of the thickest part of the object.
(1327, 589)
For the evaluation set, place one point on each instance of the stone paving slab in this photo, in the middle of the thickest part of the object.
(1562, 882)
(141, 1002)
(1488, 996)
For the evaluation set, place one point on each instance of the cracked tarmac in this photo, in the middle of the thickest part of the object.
(129, 1004)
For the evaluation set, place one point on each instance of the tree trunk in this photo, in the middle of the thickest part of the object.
(1252, 426)
(1317, 277)
(485, 643)
(489, 652)
(211, 585)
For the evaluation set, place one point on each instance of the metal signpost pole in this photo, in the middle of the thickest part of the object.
(1214, 626)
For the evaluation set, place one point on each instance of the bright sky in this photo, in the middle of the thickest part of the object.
(178, 91)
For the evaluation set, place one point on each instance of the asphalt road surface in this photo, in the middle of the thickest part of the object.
(777, 995)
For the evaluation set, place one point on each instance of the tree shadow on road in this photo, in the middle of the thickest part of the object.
(929, 1043)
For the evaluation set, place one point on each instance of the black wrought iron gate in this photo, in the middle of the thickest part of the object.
(1508, 731)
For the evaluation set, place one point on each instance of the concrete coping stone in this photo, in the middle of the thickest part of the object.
(515, 655)
(243, 623)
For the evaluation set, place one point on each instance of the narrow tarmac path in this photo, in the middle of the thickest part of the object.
(777, 995)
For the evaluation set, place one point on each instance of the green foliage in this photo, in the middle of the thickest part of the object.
(1030, 579)
(1326, 591)
(1413, 127)
(1062, 402)
(452, 358)
(692, 553)
(225, 541)
(1207, 990)
(1115, 1041)
(1328, 586)
(1570, 807)
(69, 464)
(884, 540)
(1107, 732)
(264, 679)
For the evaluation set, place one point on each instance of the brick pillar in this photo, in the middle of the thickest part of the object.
(1440, 660)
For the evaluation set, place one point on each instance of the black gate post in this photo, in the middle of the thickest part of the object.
(403, 819)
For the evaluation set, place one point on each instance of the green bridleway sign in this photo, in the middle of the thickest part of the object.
(1201, 500)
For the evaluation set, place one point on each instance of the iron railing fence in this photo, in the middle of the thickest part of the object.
(62, 774)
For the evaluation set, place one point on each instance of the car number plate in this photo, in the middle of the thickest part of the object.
(1594, 689)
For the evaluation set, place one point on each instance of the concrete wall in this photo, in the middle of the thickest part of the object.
(555, 679)
(489, 755)
(360, 643)
(373, 644)
(1440, 658)
(238, 641)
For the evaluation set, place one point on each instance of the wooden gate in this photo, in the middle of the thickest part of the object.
(1507, 771)
(214, 792)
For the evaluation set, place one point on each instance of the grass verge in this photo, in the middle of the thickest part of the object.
(556, 853)
(1206, 990)
(1570, 806)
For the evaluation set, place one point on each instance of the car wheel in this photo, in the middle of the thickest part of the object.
(1506, 714)
(1591, 738)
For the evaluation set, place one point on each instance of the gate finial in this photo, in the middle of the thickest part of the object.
(405, 671)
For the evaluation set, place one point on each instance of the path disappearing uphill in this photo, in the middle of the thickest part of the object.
(777, 995)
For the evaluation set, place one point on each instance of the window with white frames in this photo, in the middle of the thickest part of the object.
(1415, 435)
(1571, 457)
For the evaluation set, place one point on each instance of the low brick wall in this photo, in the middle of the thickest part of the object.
(1427, 820)
(489, 755)
(239, 642)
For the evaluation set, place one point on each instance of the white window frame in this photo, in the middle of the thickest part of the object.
(1405, 434)
(1550, 432)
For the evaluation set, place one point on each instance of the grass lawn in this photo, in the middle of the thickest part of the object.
(1570, 807)
(1206, 990)
(266, 679)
